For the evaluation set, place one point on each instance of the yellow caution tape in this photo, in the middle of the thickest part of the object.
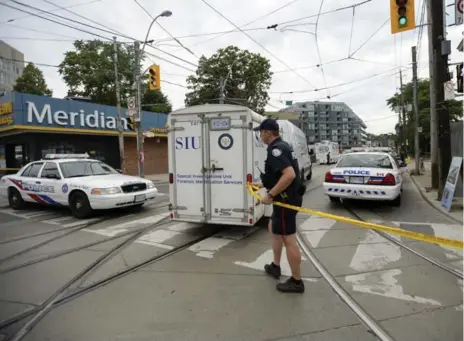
(458, 244)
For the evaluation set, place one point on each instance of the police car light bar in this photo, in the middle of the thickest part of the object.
(66, 156)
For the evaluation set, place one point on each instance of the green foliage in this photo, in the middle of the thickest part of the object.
(455, 110)
(89, 72)
(32, 82)
(247, 75)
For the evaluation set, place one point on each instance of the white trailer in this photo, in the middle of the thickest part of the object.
(325, 148)
(213, 151)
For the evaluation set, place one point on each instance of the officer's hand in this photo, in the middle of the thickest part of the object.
(256, 184)
(267, 200)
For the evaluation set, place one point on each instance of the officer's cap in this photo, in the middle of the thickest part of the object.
(268, 124)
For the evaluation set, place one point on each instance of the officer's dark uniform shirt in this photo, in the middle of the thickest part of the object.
(280, 155)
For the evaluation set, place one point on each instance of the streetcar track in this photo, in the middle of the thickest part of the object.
(63, 295)
(73, 230)
(410, 249)
(364, 317)
(72, 250)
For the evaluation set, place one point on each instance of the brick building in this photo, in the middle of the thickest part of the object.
(32, 126)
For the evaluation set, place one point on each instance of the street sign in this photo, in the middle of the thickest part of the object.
(459, 5)
(449, 90)
(131, 102)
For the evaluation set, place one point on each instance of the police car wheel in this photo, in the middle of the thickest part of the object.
(14, 199)
(79, 205)
(334, 199)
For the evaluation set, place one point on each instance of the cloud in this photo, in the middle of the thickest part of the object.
(382, 54)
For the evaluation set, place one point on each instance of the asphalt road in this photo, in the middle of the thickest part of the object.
(216, 289)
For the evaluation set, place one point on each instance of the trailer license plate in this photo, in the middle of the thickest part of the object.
(139, 198)
(357, 180)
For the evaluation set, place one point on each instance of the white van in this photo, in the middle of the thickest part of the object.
(212, 152)
(297, 139)
(327, 148)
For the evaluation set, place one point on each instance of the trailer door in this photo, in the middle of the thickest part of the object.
(226, 172)
(186, 164)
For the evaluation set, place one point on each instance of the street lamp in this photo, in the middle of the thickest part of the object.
(138, 56)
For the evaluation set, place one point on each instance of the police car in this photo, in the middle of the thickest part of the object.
(76, 181)
(366, 176)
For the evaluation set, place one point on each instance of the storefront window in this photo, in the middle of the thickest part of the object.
(2, 157)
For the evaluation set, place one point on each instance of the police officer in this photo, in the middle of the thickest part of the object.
(282, 180)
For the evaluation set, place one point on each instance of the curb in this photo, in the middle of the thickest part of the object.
(418, 187)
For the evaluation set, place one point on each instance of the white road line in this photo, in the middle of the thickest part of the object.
(314, 229)
(208, 247)
(82, 222)
(124, 227)
(181, 227)
(57, 221)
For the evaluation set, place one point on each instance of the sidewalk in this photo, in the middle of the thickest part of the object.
(423, 183)
(158, 179)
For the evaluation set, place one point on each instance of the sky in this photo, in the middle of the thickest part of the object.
(301, 41)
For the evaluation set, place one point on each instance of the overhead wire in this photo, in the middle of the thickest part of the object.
(248, 23)
(256, 42)
(93, 33)
(370, 37)
(318, 50)
(165, 30)
(56, 10)
(40, 31)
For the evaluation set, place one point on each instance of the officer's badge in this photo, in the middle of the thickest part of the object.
(276, 152)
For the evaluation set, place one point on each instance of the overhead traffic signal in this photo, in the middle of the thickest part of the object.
(131, 123)
(154, 79)
(402, 15)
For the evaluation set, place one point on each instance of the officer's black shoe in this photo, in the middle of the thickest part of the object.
(273, 270)
(291, 285)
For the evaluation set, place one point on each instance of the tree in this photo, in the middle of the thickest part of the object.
(32, 82)
(89, 72)
(454, 107)
(247, 75)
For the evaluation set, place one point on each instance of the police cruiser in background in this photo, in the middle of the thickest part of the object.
(366, 176)
(75, 181)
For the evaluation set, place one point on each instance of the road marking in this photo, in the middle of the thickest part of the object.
(266, 258)
(114, 230)
(183, 227)
(156, 238)
(374, 253)
(56, 221)
(385, 286)
(208, 247)
(83, 222)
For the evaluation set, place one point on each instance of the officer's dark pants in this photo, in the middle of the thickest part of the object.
(283, 219)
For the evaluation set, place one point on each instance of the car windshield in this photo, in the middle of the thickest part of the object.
(365, 161)
(75, 169)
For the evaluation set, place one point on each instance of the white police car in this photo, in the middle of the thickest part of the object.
(76, 181)
(365, 176)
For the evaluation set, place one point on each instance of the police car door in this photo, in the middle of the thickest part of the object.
(52, 185)
(225, 167)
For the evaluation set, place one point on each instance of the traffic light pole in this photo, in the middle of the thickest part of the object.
(416, 110)
(138, 114)
(118, 106)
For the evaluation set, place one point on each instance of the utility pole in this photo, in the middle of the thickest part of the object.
(441, 51)
(402, 120)
(118, 106)
(138, 112)
(222, 84)
(433, 99)
(416, 110)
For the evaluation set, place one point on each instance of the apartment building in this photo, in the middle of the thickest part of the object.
(11, 66)
(334, 121)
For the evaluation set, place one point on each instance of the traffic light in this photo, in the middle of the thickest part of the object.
(131, 123)
(402, 15)
(459, 76)
(154, 77)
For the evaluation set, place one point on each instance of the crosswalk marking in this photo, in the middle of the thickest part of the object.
(83, 222)
(208, 247)
(384, 283)
(114, 230)
(315, 228)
